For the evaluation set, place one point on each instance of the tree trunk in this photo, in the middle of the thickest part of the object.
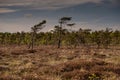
(59, 39)
(59, 43)
(33, 40)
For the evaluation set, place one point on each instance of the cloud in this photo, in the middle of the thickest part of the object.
(6, 10)
(116, 2)
(113, 3)
(52, 4)
(44, 4)
(28, 15)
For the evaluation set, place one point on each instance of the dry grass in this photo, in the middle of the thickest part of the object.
(49, 63)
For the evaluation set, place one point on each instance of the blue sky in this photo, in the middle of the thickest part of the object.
(20, 15)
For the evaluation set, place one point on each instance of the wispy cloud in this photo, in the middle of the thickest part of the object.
(48, 4)
(44, 4)
(28, 15)
(6, 10)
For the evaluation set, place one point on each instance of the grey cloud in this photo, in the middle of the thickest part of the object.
(50, 4)
(28, 15)
(116, 2)
(111, 2)
(44, 4)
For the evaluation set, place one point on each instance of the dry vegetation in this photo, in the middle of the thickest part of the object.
(50, 63)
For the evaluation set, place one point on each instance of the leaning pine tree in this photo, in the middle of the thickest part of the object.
(34, 30)
(63, 21)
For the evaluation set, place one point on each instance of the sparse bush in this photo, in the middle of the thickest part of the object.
(94, 77)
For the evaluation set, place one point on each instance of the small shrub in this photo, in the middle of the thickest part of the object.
(32, 51)
(94, 77)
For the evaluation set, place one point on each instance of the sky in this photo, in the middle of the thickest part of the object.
(21, 15)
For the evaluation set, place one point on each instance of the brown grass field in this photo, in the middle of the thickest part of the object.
(50, 63)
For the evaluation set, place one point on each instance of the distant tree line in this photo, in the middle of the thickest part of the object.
(60, 36)
(82, 37)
